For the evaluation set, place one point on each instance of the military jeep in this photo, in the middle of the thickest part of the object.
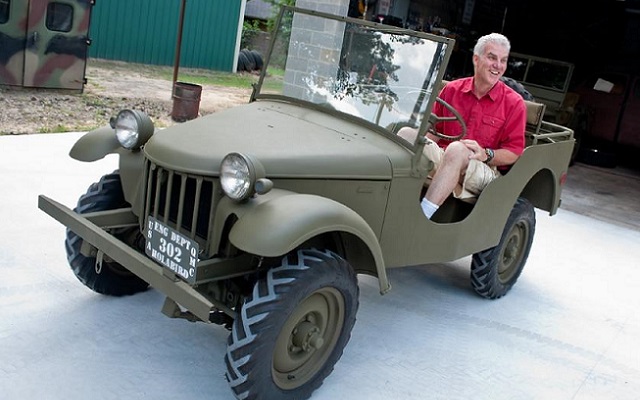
(259, 218)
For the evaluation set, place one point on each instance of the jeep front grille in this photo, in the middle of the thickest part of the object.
(182, 201)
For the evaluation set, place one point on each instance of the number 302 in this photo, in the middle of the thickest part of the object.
(174, 252)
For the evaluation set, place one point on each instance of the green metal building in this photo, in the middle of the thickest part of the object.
(146, 31)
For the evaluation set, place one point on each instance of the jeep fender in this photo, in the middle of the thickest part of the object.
(285, 220)
(95, 145)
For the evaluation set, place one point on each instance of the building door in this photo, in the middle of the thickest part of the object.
(46, 42)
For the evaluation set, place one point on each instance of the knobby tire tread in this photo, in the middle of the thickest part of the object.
(106, 194)
(257, 316)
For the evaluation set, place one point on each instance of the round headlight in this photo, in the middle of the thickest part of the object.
(133, 128)
(236, 177)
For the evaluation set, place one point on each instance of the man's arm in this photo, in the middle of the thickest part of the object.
(503, 157)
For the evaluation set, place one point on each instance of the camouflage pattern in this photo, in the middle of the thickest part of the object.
(43, 43)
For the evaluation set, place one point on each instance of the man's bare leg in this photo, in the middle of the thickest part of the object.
(449, 174)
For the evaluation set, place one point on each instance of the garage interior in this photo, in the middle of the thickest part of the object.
(593, 37)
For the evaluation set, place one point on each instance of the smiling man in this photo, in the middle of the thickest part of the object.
(495, 116)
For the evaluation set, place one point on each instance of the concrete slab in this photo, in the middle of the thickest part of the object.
(608, 194)
(568, 330)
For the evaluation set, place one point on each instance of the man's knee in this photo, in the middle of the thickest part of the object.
(457, 153)
(430, 149)
(409, 134)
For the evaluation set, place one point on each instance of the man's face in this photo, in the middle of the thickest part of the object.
(490, 66)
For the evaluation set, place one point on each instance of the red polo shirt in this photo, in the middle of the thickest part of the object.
(497, 120)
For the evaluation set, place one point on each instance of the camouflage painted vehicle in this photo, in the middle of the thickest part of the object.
(260, 217)
(43, 43)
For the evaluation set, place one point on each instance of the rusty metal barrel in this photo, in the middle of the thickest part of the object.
(186, 101)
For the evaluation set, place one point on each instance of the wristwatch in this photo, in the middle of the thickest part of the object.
(489, 154)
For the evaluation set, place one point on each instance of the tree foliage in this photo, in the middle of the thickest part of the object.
(275, 9)
(250, 28)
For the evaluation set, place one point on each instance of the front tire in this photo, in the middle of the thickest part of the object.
(110, 278)
(494, 271)
(293, 328)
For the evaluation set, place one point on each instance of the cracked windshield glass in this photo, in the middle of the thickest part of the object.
(368, 72)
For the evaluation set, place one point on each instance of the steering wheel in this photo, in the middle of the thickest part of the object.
(434, 119)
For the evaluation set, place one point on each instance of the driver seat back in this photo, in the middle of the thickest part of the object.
(535, 115)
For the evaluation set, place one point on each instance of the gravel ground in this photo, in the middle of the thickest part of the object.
(110, 87)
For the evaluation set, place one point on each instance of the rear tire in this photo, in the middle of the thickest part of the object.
(258, 57)
(250, 63)
(112, 278)
(494, 271)
(242, 62)
(293, 328)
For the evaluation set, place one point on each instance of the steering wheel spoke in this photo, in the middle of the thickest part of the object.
(455, 118)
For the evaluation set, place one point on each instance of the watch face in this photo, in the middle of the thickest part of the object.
(489, 154)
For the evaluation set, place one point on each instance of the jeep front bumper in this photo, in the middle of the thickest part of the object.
(145, 268)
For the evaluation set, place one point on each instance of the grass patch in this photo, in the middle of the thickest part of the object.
(55, 129)
(216, 78)
(242, 80)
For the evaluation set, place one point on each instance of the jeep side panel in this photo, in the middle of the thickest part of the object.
(537, 175)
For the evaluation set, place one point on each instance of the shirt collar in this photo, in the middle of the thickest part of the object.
(496, 91)
(493, 94)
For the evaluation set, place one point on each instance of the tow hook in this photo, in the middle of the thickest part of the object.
(99, 259)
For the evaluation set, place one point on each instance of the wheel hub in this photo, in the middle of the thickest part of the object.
(306, 336)
(513, 252)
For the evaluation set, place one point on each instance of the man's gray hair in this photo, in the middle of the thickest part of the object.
(495, 38)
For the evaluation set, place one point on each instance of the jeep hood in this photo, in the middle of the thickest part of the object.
(290, 141)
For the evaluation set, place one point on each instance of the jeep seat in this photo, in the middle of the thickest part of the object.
(535, 115)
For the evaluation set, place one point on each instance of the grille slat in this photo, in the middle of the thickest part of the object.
(211, 214)
(156, 202)
(148, 189)
(183, 189)
(196, 207)
(182, 201)
(167, 204)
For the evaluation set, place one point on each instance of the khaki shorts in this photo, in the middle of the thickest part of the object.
(476, 178)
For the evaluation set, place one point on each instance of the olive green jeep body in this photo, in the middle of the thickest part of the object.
(261, 216)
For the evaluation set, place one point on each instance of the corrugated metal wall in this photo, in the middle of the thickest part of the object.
(146, 31)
